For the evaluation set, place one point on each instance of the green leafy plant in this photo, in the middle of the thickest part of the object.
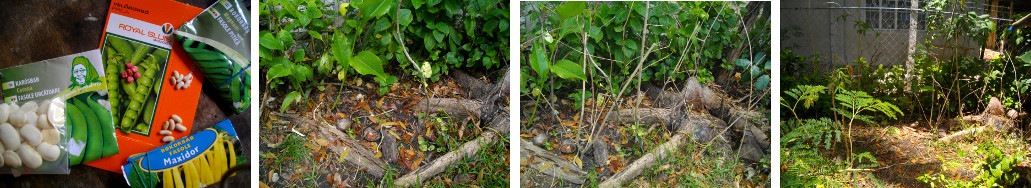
(804, 140)
(591, 43)
(757, 69)
(996, 171)
(371, 39)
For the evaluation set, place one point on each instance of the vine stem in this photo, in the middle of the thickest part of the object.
(400, 42)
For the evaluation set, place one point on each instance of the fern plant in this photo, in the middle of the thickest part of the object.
(854, 104)
(804, 139)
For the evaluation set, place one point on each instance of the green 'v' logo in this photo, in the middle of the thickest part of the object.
(167, 28)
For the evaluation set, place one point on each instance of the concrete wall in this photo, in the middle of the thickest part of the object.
(811, 27)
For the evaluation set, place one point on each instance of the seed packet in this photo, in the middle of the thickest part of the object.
(198, 160)
(40, 99)
(218, 40)
(139, 52)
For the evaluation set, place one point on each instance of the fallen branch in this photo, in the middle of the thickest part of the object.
(468, 150)
(699, 126)
(648, 160)
(358, 155)
(963, 134)
(550, 164)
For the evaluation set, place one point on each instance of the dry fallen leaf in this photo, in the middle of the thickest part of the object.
(322, 142)
(395, 134)
(576, 160)
(545, 166)
(311, 146)
(343, 155)
(417, 162)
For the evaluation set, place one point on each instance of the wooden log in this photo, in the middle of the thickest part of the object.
(962, 134)
(357, 154)
(640, 115)
(699, 127)
(550, 164)
(648, 160)
(455, 107)
(467, 150)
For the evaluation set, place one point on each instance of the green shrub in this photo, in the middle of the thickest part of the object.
(363, 37)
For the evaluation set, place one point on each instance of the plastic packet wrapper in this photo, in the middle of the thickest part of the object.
(218, 41)
(34, 146)
(200, 159)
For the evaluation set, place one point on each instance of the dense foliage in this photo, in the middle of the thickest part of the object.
(309, 41)
(607, 44)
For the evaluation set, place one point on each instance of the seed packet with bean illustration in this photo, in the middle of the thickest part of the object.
(198, 160)
(55, 114)
(141, 57)
(218, 40)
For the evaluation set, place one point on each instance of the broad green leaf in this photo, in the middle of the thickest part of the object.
(539, 61)
(470, 26)
(762, 82)
(503, 25)
(271, 42)
(303, 19)
(325, 64)
(742, 62)
(299, 55)
(759, 57)
(1026, 57)
(568, 70)
(570, 9)
(439, 36)
(404, 17)
(290, 99)
(595, 33)
(428, 43)
(418, 3)
(374, 8)
(286, 37)
(433, 2)
(382, 24)
(315, 35)
(366, 63)
(341, 48)
(302, 73)
(279, 70)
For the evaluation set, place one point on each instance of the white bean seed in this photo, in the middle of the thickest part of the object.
(31, 135)
(11, 159)
(29, 156)
(168, 139)
(49, 152)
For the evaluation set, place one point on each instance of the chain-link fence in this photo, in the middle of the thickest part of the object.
(888, 32)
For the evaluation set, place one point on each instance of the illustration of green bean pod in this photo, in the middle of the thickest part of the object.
(95, 139)
(218, 70)
(142, 92)
(110, 146)
(114, 88)
(120, 45)
(141, 51)
(77, 123)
